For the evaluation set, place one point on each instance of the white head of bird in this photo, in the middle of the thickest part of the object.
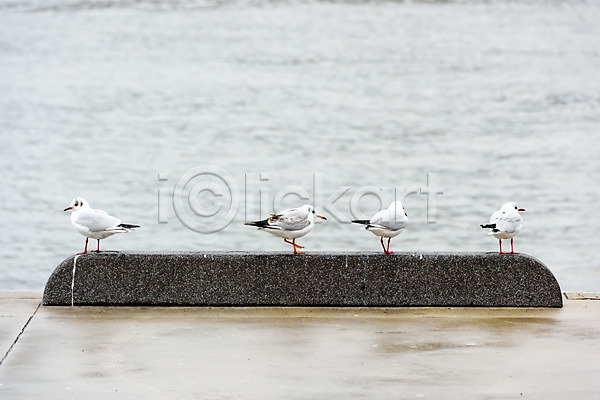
(399, 212)
(511, 206)
(77, 204)
(313, 214)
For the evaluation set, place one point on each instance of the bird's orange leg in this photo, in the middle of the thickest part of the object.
(500, 241)
(296, 245)
(388, 249)
(293, 243)
(84, 250)
(512, 250)
(98, 249)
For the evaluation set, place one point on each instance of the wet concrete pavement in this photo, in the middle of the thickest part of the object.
(299, 353)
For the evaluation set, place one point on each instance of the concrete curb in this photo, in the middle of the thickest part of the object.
(314, 279)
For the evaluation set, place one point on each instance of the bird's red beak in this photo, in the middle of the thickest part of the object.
(322, 217)
(521, 209)
(68, 208)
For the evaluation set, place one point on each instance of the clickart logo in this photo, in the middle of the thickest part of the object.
(207, 199)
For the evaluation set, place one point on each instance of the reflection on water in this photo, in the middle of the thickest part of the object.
(500, 100)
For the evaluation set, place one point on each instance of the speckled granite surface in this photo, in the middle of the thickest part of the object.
(313, 279)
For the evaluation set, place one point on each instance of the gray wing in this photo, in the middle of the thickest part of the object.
(508, 223)
(389, 219)
(495, 217)
(97, 221)
(294, 219)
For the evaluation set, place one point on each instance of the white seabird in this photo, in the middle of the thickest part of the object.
(387, 223)
(289, 224)
(95, 224)
(506, 223)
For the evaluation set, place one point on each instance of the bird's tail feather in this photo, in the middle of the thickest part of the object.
(261, 224)
(128, 226)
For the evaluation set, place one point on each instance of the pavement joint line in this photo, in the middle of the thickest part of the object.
(20, 333)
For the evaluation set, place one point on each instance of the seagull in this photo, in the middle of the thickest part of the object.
(289, 224)
(387, 223)
(505, 224)
(95, 224)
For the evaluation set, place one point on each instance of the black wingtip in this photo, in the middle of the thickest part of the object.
(260, 224)
(128, 226)
(490, 226)
(361, 221)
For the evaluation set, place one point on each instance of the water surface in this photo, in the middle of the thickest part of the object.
(500, 100)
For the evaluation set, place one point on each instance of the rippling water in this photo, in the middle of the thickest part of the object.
(500, 100)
